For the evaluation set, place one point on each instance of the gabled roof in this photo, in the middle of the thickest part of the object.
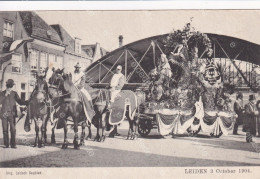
(91, 49)
(65, 37)
(37, 27)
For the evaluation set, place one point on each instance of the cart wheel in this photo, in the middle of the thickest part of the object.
(144, 127)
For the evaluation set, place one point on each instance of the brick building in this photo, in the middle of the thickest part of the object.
(51, 46)
(73, 52)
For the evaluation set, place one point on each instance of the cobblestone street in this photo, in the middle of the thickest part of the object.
(145, 152)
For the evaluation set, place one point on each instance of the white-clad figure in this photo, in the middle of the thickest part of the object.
(78, 79)
(117, 82)
(165, 66)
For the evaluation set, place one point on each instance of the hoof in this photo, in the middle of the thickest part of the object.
(34, 145)
(77, 147)
(40, 145)
(88, 137)
(64, 146)
(103, 138)
(136, 137)
(97, 138)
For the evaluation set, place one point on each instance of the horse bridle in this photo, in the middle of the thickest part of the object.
(57, 88)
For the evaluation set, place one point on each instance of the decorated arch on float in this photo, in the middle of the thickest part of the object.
(187, 76)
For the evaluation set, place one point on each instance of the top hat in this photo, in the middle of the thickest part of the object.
(41, 73)
(77, 65)
(10, 82)
(239, 95)
(251, 97)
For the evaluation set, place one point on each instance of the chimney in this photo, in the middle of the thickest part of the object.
(120, 40)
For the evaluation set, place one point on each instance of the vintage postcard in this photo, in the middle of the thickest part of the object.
(116, 94)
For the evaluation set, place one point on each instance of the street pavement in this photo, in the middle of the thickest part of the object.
(152, 151)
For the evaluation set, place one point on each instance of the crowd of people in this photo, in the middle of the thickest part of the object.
(248, 116)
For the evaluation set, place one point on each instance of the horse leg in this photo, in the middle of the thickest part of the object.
(136, 121)
(53, 141)
(82, 141)
(103, 127)
(76, 136)
(37, 133)
(129, 132)
(66, 142)
(131, 122)
(89, 132)
(40, 141)
(97, 138)
(45, 131)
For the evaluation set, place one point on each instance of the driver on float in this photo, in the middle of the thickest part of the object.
(78, 79)
(116, 84)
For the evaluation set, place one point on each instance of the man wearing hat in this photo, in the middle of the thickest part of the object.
(117, 82)
(79, 80)
(250, 122)
(238, 108)
(8, 113)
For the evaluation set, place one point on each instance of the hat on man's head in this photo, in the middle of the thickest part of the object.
(10, 82)
(77, 65)
(41, 73)
(252, 97)
(239, 95)
(119, 67)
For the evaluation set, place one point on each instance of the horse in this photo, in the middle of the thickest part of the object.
(69, 105)
(127, 101)
(38, 110)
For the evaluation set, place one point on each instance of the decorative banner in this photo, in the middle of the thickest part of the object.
(177, 122)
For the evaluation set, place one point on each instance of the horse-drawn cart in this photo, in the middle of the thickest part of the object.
(147, 122)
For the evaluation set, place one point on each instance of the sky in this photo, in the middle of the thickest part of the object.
(105, 26)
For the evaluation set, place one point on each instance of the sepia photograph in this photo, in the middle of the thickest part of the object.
(133, 88)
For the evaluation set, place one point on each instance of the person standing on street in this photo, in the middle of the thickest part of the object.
(8, 113)
(250, 115)
(238, 108)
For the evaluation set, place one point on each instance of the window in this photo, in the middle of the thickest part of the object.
(23, 85)
(52, 60)
(17, 63)
(59, 62)
(34, 55)
(8, 29)
(43, 61)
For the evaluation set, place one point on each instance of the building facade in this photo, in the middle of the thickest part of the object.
(73, 51)
(50, 46)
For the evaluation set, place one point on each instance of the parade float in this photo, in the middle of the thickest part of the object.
(187, 93)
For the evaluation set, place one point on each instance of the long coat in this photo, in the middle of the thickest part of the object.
(239, 111)
(249, 122)
(9, 103)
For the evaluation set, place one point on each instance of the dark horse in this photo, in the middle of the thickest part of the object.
(38, 110)
(69, 105)
(102, 118)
